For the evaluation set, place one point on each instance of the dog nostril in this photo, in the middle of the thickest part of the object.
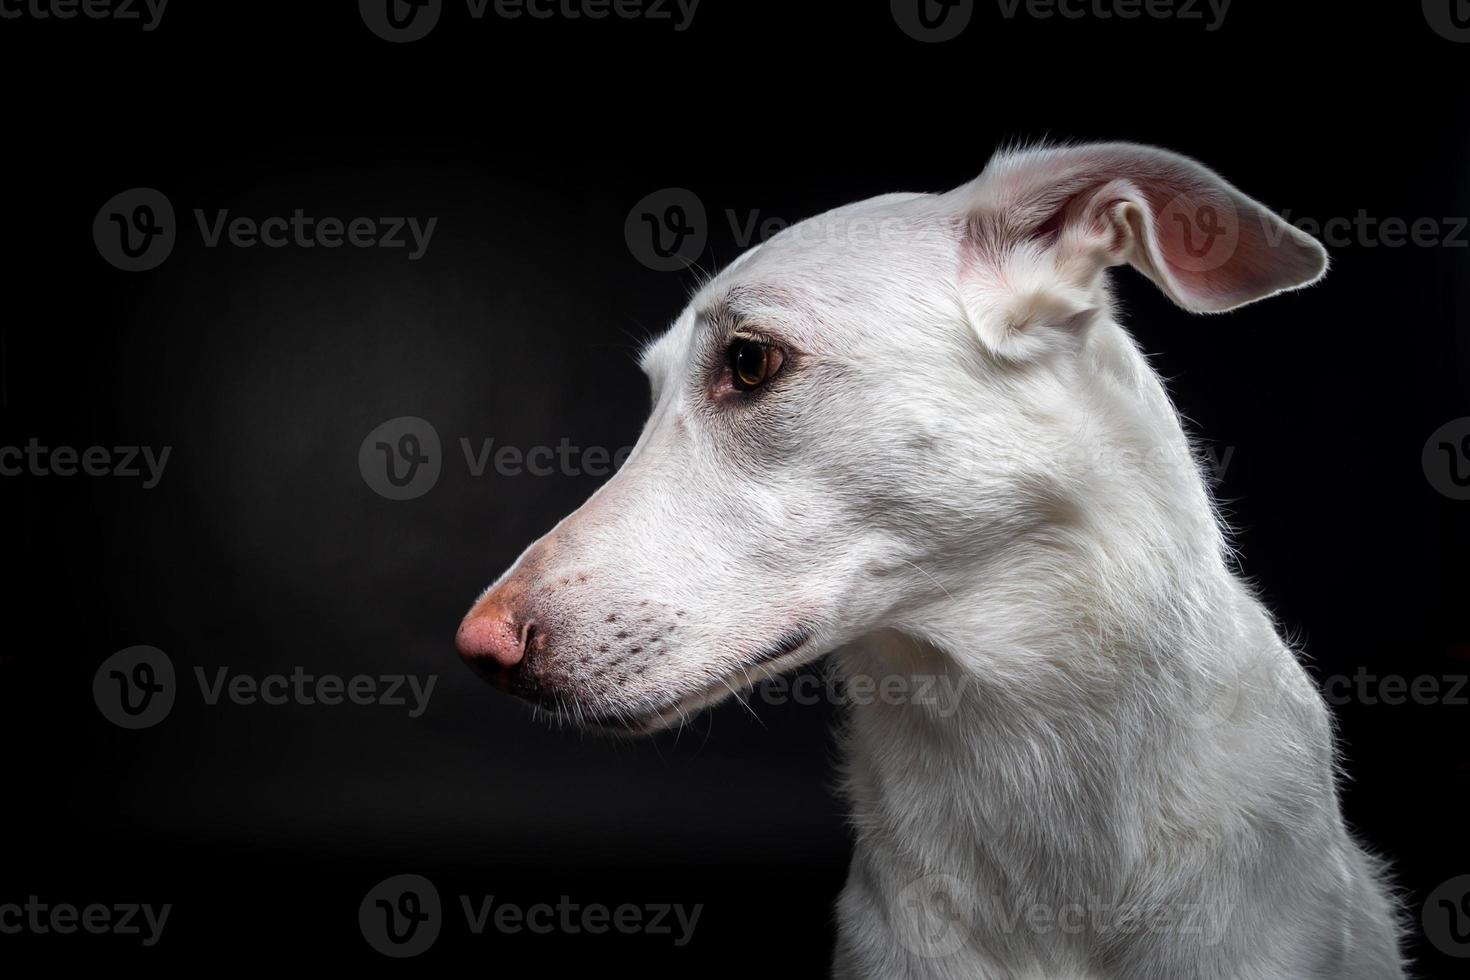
(490, 639)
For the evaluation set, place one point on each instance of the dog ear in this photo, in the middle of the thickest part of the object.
(1042, 225)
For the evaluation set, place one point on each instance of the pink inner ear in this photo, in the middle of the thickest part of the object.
(1207, 245)
(1220, 249)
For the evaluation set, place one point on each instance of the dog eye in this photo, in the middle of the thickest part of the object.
(752, 363)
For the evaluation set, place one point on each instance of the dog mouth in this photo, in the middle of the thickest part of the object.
(645, 720)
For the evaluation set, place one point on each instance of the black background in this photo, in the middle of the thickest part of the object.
(263, 548)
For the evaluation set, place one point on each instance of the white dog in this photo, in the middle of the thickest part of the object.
(912, 432)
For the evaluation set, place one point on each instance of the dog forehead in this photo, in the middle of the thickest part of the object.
(848, 242)
(802, 280)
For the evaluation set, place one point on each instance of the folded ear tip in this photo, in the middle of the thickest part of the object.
(1312, 251)
(1208, 245)
(1304, 263)
(1309, 260)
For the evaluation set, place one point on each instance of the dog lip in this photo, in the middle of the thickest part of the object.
(786, 644)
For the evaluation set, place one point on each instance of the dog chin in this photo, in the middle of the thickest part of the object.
(650, 722)
(643, 720)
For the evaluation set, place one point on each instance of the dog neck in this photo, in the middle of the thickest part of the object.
(1034, 728)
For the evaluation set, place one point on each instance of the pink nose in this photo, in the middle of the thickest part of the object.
(492, 637)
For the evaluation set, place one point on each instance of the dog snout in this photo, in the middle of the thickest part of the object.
(503, 641)
(495, 636)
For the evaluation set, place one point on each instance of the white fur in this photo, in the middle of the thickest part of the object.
(968, 471)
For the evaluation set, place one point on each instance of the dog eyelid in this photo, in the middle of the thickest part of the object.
(751, 334)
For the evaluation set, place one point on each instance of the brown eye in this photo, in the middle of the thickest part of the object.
(751, 363)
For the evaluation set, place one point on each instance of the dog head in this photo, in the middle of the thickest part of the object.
(866, 414)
